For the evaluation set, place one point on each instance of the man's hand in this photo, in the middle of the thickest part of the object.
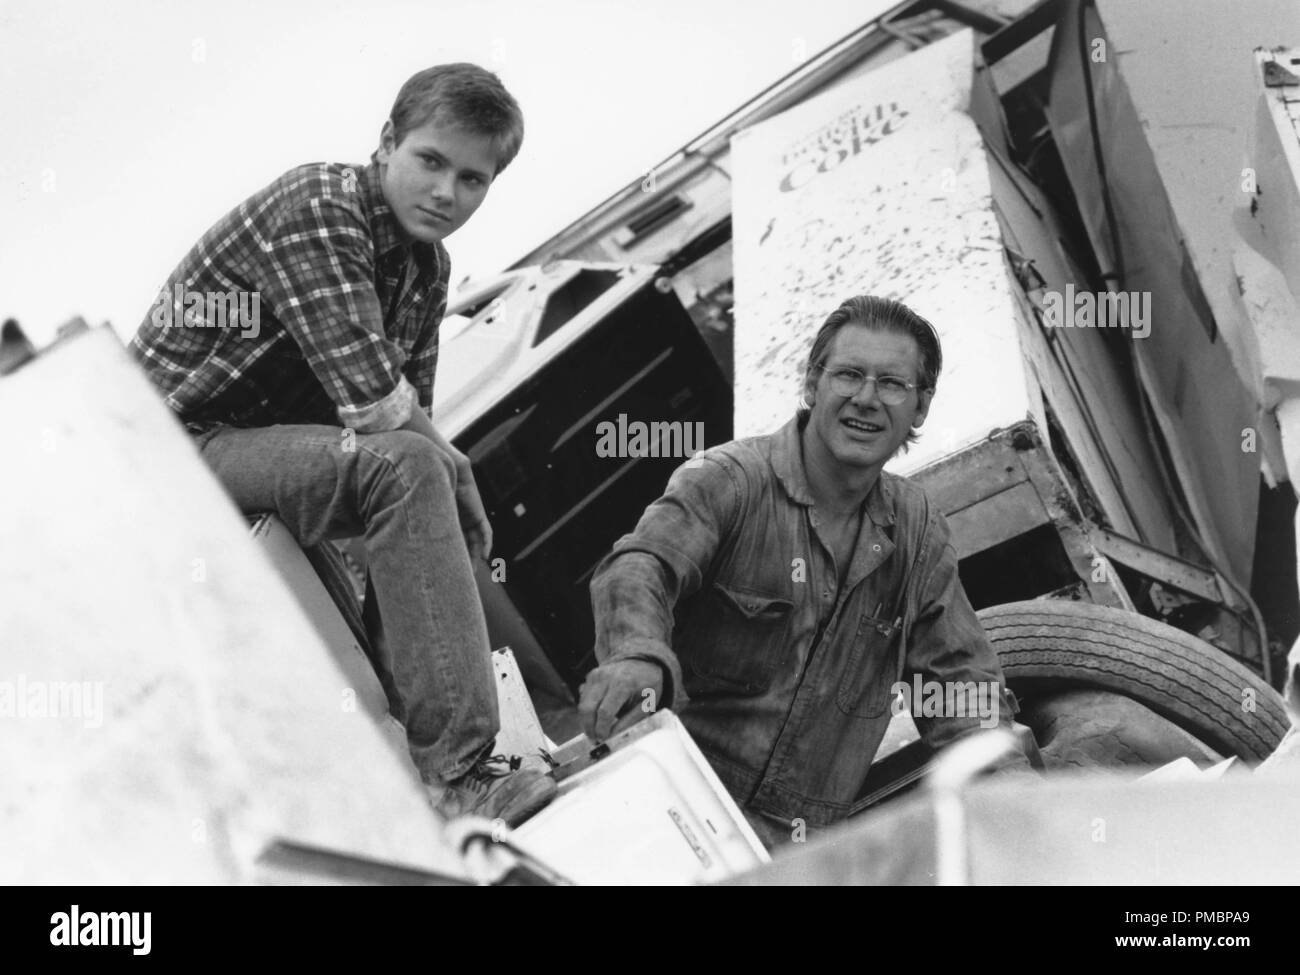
(619, 694)
(473, 516)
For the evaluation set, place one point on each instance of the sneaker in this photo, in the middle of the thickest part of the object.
(495, 788)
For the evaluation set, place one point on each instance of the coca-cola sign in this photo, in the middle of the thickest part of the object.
(843, 138)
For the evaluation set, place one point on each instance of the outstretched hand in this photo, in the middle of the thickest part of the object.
(617, 695)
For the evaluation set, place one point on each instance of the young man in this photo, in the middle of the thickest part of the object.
(298, 342)
(780, 588)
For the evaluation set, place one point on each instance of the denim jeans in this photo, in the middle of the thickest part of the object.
(429, 641)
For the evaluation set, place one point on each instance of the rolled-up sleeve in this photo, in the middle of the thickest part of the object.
(637, 587)
(388, 413)
(947, 645)
(322, 287)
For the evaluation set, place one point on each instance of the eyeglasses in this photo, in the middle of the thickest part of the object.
(892, 390)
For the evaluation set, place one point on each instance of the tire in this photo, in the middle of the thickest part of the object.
(1047, 645)
(1082, 728)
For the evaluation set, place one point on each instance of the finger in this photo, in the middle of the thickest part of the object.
(607, 712)
(473, 515)
(474, 542)
(589, 698)
(633, 715)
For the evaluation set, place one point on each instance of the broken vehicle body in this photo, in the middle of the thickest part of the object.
(1104, 525)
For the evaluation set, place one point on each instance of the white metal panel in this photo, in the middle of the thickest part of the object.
(879, 186)
(1171, 107)
(481, 362)
(521, 734)
(1193, 92)
(650, 812)
(223, 721)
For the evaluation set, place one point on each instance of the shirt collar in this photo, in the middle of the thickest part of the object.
(787, 462)
(386, 231)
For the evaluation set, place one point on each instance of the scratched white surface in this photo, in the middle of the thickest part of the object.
(225, 721)
(908, 216)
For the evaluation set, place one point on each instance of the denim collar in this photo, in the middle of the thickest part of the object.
(787, 463)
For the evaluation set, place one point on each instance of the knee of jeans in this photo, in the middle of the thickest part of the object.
(410, 460)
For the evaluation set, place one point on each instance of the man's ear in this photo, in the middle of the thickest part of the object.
(808, 393)
(387, 143)
(923, 398)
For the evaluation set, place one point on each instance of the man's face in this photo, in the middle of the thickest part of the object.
(436, 178)
(860, 431)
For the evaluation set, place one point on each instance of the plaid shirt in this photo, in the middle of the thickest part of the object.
(287, 310)
(783, 676)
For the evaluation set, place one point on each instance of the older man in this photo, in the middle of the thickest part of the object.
(783, 584)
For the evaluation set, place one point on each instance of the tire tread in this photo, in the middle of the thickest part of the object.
(1193, 684)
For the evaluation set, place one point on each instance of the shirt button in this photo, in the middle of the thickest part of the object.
(875, 548)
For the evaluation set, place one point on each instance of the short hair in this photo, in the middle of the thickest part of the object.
(883, 315)
(462, 94)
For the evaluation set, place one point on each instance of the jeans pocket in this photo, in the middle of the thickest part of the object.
(735, 639)
(871, 669)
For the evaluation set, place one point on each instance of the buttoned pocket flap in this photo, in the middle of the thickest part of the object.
(734, 639)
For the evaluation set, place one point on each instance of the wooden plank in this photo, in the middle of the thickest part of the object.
(1093, 569)
(997, 519)
(967, 478)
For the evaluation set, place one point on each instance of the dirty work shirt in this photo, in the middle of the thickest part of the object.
(288, 311)
(782, 677)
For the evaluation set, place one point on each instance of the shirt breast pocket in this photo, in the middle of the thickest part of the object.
(735, 639)
(871, 670)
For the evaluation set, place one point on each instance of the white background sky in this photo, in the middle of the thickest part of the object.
(130, 127)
